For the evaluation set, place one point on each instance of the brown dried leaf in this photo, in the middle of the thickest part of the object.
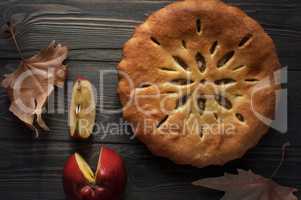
(248, 186)
(30, 85)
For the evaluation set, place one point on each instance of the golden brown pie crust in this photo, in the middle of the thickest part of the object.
(194, 67)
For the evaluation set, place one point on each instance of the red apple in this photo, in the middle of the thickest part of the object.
(82, 109)
(108, 183)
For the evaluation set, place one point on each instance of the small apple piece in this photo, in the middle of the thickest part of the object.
(108, 183)
(82, 109)
(87, 192)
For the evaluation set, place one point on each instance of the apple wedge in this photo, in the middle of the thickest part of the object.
(82, 109)
(108, 183)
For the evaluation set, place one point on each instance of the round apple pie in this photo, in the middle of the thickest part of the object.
(197, 82)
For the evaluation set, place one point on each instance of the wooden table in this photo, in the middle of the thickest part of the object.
(95, 30)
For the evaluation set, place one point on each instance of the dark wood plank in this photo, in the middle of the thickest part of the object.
(34, 171)
(96, 30)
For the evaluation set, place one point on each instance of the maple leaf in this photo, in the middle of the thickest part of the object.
(248, 186)
(30, 85)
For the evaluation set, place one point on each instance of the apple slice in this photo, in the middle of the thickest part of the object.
(82, 109)
(85, 169)
(80, 183)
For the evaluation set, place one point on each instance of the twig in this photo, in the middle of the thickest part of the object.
(284, 147)
(12, 33)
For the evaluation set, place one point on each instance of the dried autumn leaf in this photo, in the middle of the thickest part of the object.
(34, 80)
(248, 186)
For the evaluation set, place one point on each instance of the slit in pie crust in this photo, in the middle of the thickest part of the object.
(188, 80)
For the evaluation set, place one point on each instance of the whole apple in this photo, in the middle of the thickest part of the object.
(108, 183)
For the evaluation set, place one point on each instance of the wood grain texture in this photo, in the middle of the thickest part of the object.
(95, 31)
(35, 171)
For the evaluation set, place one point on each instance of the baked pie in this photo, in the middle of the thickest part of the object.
(196, 82)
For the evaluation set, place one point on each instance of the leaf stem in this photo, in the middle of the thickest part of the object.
(284, 147)
(12, 33)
